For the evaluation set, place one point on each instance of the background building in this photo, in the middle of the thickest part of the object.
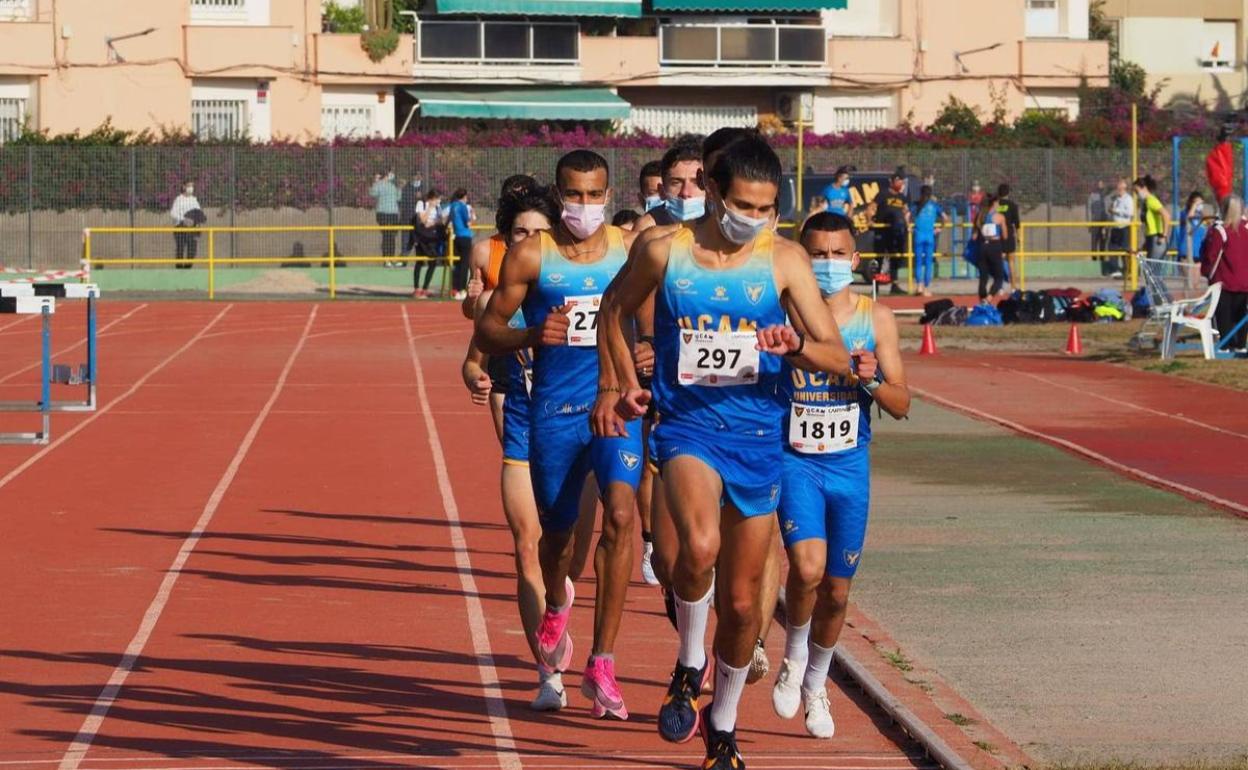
(265, 68)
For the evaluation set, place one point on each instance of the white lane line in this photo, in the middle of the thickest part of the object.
(91, 725)
(495, 706)
(1120, 402)
(78, 344)
(103, 410)
(1183, 489)
(19, 320)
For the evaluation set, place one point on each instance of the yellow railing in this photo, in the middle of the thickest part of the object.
(213, 262)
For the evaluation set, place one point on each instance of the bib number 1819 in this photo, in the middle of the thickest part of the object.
(820, 430)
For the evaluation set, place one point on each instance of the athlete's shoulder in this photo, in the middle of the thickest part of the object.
(629, 237)
(481, 250)
(787, 253)
(883, 319)
(523, 261)
(646, 222)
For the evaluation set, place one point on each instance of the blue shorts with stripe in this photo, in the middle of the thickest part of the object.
(516, 428)
(748, 466)
(563, 452)
(827, 497)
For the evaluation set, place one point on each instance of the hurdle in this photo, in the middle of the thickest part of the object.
(23, 303)
(64, 374)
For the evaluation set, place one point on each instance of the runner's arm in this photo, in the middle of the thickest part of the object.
(893, 395)
(822, 349)
(520, 268)
(478, 263)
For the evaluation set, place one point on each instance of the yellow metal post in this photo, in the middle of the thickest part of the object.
(333, 259)
(1022, 256)
(1133, 271)
(910, 259)
(212, 264)
(86, 249)
(450, 261)
(800, 203)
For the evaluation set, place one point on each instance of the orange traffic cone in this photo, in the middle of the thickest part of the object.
(928, 348)
(1073, 346)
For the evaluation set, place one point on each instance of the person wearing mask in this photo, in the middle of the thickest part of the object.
(928, 216)
(837, 193)
(893, 212)
(410, 194)
(184, 243)
(1122, 214)
(1156, 218)
(1009, 244)
(428, 228)
(649, 188)
(1192, 227)
(991, 230)
(385, 195)
(461, 230)
(1225, 260)
(684, 197)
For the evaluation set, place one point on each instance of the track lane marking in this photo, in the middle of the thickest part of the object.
(77, 750)
(99, 332)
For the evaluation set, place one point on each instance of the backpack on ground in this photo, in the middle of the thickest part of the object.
(932, 310)
(954, 316)
(983, 315)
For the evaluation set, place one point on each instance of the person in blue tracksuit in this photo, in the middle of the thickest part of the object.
(928, 216)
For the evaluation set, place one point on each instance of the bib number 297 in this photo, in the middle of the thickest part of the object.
(718, 359)
(583, 320)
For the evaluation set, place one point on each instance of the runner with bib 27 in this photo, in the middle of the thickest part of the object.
(826, 487)
(723, 290)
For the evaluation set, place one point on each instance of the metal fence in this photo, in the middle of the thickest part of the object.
(49, 194)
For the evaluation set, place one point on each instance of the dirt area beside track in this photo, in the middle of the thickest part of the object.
(1091, 618)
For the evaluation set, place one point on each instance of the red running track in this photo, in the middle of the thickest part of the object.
(1182, 435)
(279, 544)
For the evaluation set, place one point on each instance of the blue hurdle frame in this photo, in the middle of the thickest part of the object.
(44, 404)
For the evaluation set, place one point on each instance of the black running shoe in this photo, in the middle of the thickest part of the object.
(669, 604)
(721, 746)
(678, 716)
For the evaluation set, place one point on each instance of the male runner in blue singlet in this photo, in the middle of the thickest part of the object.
(723, 290)
(826, 488)
(558, 278)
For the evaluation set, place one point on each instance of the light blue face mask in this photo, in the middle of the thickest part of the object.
(652, 202)
(832, 275)
(686, 209)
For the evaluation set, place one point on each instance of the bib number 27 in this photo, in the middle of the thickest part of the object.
(583, 320)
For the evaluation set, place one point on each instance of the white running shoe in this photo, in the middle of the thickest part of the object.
(818, 713)
(647, 569)
(759, 665)
(550, 694)
(459, 296)
(786, 695)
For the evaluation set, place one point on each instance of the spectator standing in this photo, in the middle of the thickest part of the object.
(893, 212)
(184, 243)
(837, 193)
(428, 227)
(1225, 260)
(1192, 227)
(1009, 243)
(410, 195)
(1097, 211)
(1122, 214)
(385, 195)
(991, 229)
(928, 216)
(460, 216)
(1156, 218)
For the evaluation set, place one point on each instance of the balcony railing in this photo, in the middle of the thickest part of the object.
(497, 42)
(14, 10)
(742, 45)
(217, 11)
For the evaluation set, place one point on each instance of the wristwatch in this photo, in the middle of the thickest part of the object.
(872, 385)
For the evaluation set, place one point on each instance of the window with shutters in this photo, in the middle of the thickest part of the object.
(219, 118)
(12, 118)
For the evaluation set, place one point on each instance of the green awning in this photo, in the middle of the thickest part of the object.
(522, 104)
(749, 5)
(630, 8)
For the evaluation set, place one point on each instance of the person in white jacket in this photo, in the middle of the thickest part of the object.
(1121, 205)
(184, 242)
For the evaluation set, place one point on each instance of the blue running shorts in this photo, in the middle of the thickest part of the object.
(748, 466)
(827, 497)
(562, 452)
(516, 429)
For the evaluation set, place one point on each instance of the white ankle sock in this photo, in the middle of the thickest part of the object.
(795, 640)
(729, 684)
(817, 669)
(691, 621)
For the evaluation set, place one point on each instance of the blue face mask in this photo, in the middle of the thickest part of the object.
(686, 209)
(652, 202)
(832, 275)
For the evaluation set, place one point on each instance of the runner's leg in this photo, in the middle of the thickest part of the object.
(586, 525)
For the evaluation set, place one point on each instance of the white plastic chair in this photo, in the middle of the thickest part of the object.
(1194, 314)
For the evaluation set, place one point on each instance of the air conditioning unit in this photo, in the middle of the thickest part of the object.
(793, 106)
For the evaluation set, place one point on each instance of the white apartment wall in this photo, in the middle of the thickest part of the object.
(838, 112)
(878, 18)
(1077, 19)
(364, 96)
(259, 116)
(1163, 45)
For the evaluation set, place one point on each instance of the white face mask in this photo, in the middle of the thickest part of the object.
(738, 228)
(584, 219)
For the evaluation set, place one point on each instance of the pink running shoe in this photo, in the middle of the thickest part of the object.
(599, 686)
(554, 644)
